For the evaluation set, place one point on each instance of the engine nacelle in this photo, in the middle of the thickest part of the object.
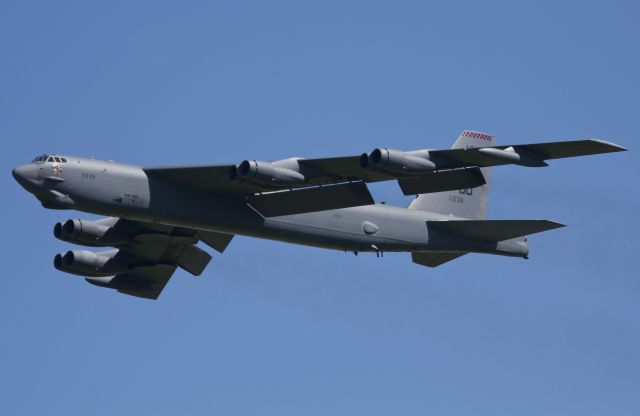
(89, 233)
(396, 162)
(265, 173)
(88, 263)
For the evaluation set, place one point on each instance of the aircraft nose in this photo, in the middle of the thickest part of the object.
(25, 174)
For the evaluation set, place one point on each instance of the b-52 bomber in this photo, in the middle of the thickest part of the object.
(156, 215)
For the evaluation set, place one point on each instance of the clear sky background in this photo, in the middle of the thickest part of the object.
(277, 329)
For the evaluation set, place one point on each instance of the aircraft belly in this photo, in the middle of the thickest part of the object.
(363, 228)
(368, 228)
(351, 229)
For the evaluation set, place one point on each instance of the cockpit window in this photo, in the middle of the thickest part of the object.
(47, 158)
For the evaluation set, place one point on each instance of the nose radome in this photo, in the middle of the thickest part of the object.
(23, 174)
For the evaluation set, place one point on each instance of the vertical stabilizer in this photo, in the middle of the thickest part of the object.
(463, 203)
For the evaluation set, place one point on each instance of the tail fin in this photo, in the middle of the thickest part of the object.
(463, 203)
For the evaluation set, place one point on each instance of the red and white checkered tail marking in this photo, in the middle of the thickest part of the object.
(463, 203)
(470, 138)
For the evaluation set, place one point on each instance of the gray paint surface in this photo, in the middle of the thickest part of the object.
(158, 214)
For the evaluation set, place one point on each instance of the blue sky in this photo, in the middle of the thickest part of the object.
(279, 329)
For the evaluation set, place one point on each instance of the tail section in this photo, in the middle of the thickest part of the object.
(469, 231)
(464, 203)
(455, 238)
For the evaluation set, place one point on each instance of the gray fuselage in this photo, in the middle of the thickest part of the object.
(126, 191)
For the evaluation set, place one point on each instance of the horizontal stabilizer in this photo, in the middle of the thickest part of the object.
(434, 258)
(322, 198)
(442, 181)
(493, 230)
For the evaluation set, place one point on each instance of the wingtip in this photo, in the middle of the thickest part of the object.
(614, 147)
(556, 224)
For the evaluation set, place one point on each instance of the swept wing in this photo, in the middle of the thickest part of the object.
(445, 170)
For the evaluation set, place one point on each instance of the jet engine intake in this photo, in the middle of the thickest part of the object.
(88, 233)
(396, 162)
(89, 263)
(265, 173)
